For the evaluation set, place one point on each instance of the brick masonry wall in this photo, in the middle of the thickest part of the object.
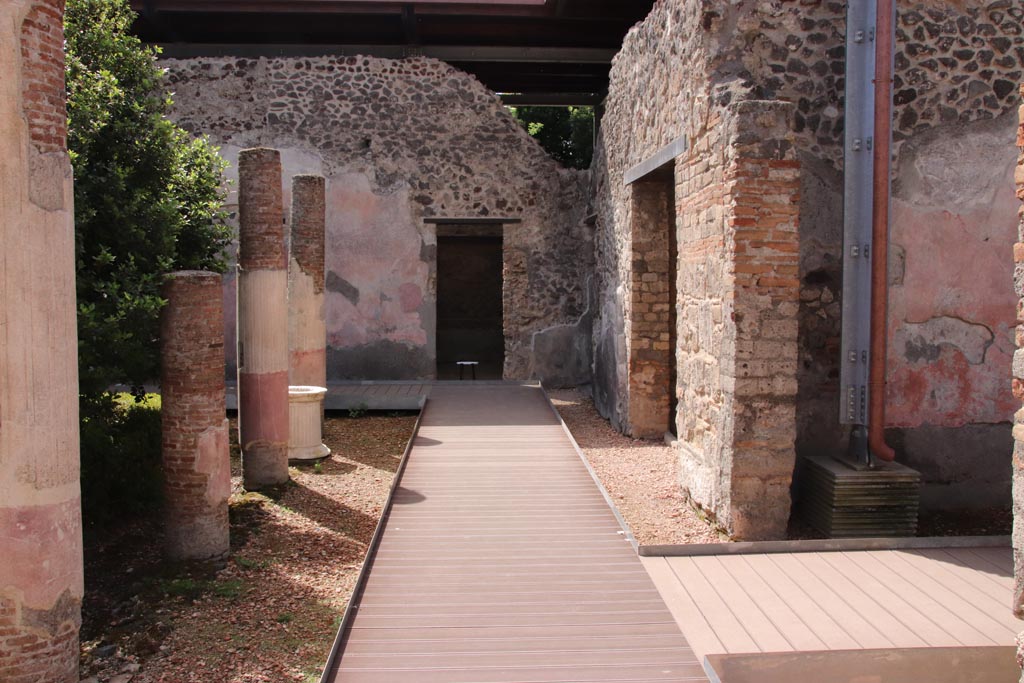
(400, 141)
(261, 212)
(650, 344)
(196, 464)
(42, 53)
(307, 243)
(736, 211)
(950, 344)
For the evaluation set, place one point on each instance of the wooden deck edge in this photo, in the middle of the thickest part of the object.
(593, 475)
(371, 550)
(823, 545)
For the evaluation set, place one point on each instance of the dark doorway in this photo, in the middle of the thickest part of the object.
(469, 307)
(652, 354)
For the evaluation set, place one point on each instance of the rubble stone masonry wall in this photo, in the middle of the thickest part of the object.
(400, 141)
(678, 73)
(736, 193)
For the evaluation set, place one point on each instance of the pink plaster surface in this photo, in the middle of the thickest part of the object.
(212, 459)
(308, 368)
(263, 407)
(375, 244)
(42, 551)
(958, 265)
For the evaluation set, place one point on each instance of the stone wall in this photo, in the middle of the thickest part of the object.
(949, 341)
(399, 142)
(734, 218)
(41, 581)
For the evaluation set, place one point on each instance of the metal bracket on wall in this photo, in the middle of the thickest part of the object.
(857, 200)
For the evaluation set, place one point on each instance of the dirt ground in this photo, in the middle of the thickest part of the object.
(642, 477)
(271, 611)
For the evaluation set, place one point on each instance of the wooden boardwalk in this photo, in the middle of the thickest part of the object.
(853, 600)
(501, 561)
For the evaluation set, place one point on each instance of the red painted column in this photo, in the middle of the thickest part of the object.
(307, 331)
(196, 464)
(262, 320)
(41, 580)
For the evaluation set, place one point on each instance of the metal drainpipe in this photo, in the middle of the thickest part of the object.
(880, 230)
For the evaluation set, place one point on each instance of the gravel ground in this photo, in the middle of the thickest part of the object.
(271, 611)
(641, 476)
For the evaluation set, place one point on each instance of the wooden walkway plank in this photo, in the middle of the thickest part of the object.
(755, 621)
(500, 561)
(727, 627)
(924, 602)
(967, 567)
(797, 633)
(1000, 559)
(953, 579)
(827, 599)
(823, 624)
(921, 576)
(885, 610)
(699, 633)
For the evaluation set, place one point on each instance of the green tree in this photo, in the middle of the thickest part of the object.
(148, 196)
(566, 133)
(148, 200)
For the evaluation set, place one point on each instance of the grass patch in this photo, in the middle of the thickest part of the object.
(191, 589)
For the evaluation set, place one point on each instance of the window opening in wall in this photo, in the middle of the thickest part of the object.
(469, 305)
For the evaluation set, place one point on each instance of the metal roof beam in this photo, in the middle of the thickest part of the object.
(446, 53)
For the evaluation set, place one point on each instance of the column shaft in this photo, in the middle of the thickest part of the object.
(306, 328)
(262, 320)
(197, 467)
(41, 580)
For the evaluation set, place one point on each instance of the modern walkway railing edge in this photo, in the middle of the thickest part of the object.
(593, 475)
(371, 549)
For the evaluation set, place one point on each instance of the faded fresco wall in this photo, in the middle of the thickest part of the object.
(949, 339)
(950, 342)
(401, 141)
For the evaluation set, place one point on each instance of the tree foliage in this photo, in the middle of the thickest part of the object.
(566, 133)
(148, 196)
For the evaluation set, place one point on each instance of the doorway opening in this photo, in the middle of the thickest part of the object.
(470, 320)
(652, 357)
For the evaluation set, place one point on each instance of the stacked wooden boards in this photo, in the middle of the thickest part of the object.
(843, 501)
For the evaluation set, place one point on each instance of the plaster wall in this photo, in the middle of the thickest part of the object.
(41, 580)
(399, 142)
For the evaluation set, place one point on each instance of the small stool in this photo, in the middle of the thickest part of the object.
(462, 366)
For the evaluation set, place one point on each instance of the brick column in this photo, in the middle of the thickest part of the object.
(41, 581)
(197, 467)
(262, 320)
(1018, 391)
(737, 324)
(307, 333)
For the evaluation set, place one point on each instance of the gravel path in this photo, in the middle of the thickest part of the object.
(642, 477)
